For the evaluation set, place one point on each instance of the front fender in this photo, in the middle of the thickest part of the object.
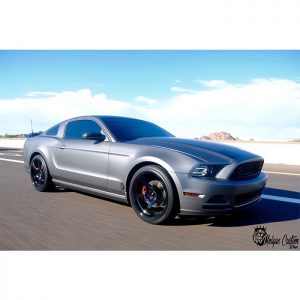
(168, 164)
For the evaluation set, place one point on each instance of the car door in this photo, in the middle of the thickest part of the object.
(81, 161)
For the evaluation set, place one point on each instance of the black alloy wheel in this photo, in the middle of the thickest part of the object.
(153, 195)
(40, 177)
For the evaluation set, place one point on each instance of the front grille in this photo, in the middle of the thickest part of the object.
(247, 197)
(247, 170)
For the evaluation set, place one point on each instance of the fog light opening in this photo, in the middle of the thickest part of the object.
(193, 195)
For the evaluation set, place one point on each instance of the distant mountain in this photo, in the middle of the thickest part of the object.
(219, 136)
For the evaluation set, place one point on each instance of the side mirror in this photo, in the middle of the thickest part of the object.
(95, 136)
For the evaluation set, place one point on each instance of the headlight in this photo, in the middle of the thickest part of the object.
(207, 170)
(203, 171)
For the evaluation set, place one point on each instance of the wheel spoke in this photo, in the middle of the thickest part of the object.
(149, 205)
(37, 168)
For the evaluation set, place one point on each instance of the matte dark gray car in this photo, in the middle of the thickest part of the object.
(141, 164)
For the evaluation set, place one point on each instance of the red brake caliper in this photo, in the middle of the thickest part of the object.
(144, 190)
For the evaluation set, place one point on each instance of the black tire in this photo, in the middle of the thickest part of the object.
(40, 176)
(153, 196)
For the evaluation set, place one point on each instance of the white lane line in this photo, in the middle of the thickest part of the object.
(10, 154)
(282, 173)
(278, 198)
(13, 160)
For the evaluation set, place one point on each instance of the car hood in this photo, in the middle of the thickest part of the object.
(205, 151)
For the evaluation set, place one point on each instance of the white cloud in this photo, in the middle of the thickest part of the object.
(15, 114)
(36, 94)
(263, 109)
(146, 100)
(213, 83)
(178, 89)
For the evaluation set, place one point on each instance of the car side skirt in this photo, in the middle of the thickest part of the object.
(89, 190)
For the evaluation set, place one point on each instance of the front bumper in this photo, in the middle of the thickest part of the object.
(218, 196)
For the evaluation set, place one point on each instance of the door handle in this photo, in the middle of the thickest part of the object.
(62, 147)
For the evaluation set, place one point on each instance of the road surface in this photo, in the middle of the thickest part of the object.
(67, 220)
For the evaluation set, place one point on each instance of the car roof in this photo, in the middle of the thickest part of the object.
(102, 117)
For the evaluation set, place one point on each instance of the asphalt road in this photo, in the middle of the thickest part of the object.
(67, 220)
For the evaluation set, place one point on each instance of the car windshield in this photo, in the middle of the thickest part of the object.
(126, 129)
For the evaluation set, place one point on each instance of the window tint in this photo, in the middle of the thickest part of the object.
(53, 130)
(76, 129)
(126, 129)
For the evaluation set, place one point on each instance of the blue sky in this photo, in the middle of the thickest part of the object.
(251, 94)
(126, 74)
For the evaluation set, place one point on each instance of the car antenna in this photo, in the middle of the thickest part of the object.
(31, 128)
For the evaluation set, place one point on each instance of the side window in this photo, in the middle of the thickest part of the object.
(53, 130)
(75, 129)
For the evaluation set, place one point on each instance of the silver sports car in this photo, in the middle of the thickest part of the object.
(141, 164)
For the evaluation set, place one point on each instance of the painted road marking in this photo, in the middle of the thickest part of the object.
(282, 173)
(279, 198)
(13, 160)
(10, 154)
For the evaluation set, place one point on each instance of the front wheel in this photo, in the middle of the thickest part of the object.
(40, 176)
(153, 195)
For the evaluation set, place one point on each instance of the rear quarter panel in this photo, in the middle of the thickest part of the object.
(41, 145)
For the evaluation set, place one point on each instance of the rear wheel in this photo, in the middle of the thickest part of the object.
(40, 176)
(152, 195)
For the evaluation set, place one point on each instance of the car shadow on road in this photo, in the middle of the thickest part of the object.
(59, 189)
(266, 211)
